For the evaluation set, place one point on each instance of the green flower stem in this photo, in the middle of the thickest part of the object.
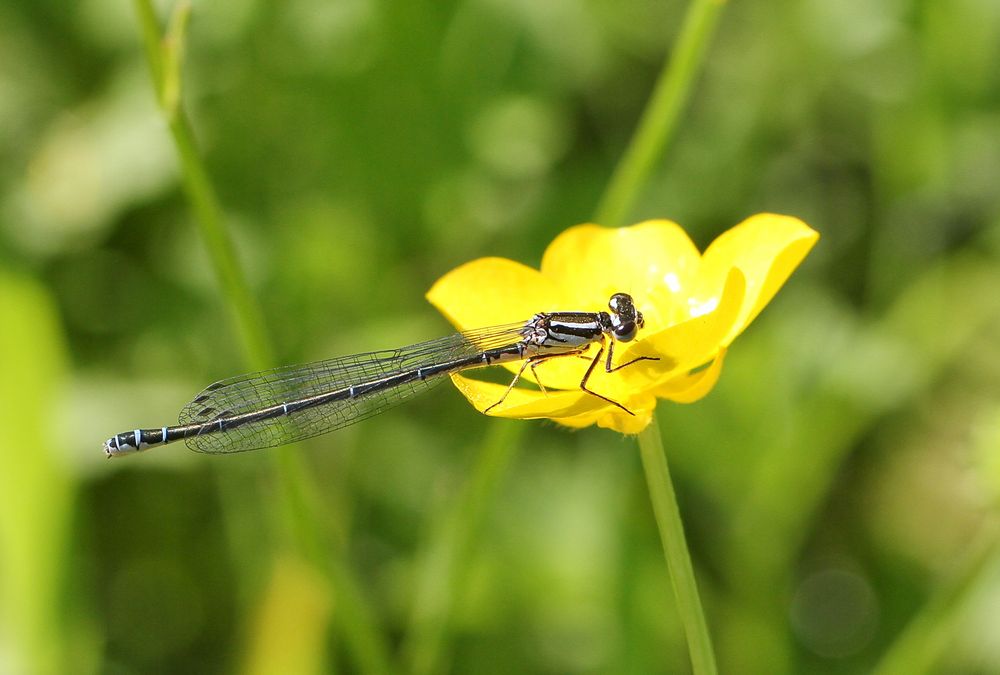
(449, 550)
(668, 520)
(929, 636)
(448, 557)
(163, 54)
(659, 120)
(656, 128)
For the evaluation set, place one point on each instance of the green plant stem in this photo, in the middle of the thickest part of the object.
(246, 314)
(447, 560)
(668, 520)
(313, 544)
(656, 128)
(450, 548)
(921, 645)
(302, 524)
(662, 113)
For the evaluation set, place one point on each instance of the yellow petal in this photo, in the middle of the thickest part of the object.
(561, 372)
(689, 344)
(496, 291)
(767, 248)
(493, 291)
(655, 262)
(693, 387)
(570, 408)
(615, 418)
(526, 403)
(694, 306)
(628, 424)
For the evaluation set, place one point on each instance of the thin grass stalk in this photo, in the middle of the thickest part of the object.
(922, 645)
(662, 113)
(305, 531)
(452, 547)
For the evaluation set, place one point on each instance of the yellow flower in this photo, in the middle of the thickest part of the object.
(694, 306)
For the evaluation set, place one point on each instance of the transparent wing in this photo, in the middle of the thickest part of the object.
(257, 391)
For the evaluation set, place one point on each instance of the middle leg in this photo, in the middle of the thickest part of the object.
(532, 361)
(590, 371)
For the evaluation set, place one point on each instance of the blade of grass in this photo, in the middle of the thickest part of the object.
(286, 634)
(928, 637)
(662, 113)
(163, 55)
(246, 315)
(452, 546)
(37, 492)
(656, 128)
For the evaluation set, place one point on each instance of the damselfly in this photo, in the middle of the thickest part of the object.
(280, 406)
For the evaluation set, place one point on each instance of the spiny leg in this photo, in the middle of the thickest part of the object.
(530, 361)
(534, 361)
(538, 381)
(611, 349)
(586, 376)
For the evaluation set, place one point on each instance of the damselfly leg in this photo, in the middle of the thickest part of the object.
(608, 369)
(535, 360)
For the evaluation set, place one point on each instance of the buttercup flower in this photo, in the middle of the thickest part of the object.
(694, 306)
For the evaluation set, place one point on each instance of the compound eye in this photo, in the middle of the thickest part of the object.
(625, 332)
(619, 301)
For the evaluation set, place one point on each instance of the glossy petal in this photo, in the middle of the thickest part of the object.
(493, 291)
(694, 306)
(767, 248)
(694, 342)
(654, 261)
(526, 403)
(694, 386)
(614, 418)
(569, 408)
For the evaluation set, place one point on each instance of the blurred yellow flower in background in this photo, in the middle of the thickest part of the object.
(694, 306)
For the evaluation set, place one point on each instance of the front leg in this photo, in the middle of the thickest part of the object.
(607, 364)
(590, 370)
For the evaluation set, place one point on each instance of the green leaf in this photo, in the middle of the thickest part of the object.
(36, 492)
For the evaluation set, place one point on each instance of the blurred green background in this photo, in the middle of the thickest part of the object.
(839, 483)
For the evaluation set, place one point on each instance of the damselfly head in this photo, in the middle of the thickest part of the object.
(626, 320)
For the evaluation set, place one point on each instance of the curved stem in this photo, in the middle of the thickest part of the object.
(448, 555)
(928, 637)
(668, 521)
(302, 525)
(659, 119)
(164, 67)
